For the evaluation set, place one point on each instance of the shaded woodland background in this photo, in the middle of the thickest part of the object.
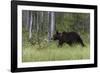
(38, 28)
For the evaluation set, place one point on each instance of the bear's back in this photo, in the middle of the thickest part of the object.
(70, 35)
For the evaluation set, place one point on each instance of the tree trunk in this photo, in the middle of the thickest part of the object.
(49, 33)
(30, 25)
(52, 23)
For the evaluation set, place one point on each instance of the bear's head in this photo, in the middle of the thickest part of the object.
(57, 36)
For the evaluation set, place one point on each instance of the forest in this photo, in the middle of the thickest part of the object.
(38, 28)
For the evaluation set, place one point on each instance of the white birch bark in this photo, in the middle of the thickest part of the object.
(52, 23)
(30, 26)
(49, 27)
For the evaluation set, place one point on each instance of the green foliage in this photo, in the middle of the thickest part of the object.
(38, 39)
(79, 22)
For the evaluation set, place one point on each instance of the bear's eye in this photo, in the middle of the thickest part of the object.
(60, 35)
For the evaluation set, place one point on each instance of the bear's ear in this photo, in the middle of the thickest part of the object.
(57, 32)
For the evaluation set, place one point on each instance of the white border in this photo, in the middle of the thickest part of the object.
(53, 63)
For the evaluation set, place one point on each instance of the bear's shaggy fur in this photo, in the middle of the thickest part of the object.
(68, 37)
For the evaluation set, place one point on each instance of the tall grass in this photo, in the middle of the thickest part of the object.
(53, 52)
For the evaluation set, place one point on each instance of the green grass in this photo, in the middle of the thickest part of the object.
(32, 53)
(53, 53)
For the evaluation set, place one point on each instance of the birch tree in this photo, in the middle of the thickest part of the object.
(30, 24)
(52, 23)
(49, 27)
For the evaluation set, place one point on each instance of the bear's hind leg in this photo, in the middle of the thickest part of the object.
(81, 42)
(69, 43)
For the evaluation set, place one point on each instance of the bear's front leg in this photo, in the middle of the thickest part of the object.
(60, 43)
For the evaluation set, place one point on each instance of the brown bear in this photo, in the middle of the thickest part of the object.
(68, 37)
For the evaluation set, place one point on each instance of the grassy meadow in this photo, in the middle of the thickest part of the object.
(31, 53)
